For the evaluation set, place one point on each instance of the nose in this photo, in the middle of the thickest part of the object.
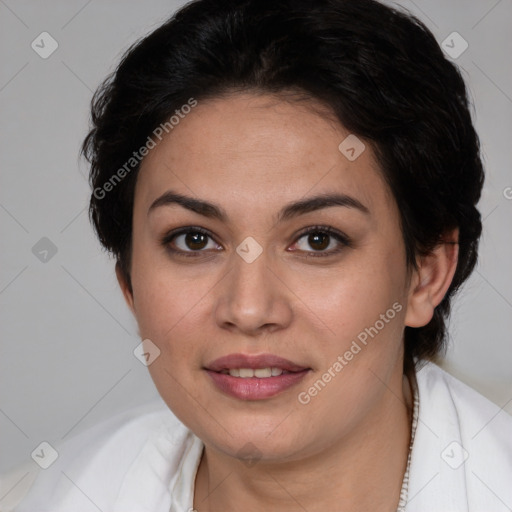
(253, 299)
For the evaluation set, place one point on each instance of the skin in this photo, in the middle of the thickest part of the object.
(252, 154)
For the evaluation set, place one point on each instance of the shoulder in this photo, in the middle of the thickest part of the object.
(91, 466)
(462, 452)
(475, 412)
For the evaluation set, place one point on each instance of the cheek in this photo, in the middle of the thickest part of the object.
(363, 311)
(165, 296)
(166, 305)
(170, 311)
(353, 298)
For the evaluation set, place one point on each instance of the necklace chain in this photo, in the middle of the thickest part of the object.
(404, 491)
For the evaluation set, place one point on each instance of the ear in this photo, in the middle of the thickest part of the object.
(430, 282)
(125, 287)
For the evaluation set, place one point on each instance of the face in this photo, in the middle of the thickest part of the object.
(279, 318)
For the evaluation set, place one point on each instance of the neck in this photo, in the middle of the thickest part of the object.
(361, 472)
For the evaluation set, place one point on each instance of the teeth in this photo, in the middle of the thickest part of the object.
(263, 373)
(260, 373)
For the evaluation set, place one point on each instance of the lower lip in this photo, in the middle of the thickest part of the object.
(253, 388)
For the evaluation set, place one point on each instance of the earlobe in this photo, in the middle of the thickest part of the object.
(125, 287)
(431, 280)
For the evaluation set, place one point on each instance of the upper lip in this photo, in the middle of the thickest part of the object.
(253, 361)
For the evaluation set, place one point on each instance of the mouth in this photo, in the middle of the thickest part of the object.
(259, 373)
(249, 377)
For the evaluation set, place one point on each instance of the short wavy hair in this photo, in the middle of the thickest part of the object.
(378, 69)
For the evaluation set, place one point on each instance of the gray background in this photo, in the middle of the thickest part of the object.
(67, 337)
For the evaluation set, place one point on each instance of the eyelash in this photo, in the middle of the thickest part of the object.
(338, 236)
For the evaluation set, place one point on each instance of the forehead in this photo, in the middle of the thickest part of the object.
(259, 151)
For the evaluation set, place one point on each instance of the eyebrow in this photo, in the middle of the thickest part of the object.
(291, 210)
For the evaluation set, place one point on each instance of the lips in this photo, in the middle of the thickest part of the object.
(247, 377)
(234, 361)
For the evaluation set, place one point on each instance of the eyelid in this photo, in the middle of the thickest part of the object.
(341, 237)
(324, 229)
(171, 235)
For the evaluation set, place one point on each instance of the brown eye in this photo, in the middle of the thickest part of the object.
(195, 241)
(189, 242)
(319, 239)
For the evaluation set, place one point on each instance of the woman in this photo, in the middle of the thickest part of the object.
(289, 189)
